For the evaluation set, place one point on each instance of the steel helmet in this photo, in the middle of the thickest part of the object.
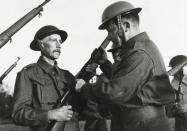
(116, 9)
(176, 60)
(46, 31)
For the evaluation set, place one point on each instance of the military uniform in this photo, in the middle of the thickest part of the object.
(38, 88)
(177, 111)
(138, 90)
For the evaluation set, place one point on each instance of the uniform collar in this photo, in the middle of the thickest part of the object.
(131, 42)
(47, 67)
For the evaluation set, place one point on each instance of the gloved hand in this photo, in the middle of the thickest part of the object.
(99, 55)
(92, 69)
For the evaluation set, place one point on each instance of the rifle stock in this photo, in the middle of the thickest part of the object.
(59, 125)
(7, 34)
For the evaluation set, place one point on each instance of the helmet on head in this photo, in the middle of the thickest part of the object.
(115, 9)
(46, 31)
(177, 60)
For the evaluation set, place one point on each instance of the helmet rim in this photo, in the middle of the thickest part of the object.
(116, 9)
(46, 31)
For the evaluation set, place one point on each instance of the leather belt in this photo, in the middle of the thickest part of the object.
(142, 113)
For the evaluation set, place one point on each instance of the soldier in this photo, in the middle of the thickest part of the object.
(96, 114)
(179, 83)
(139, 87)
(40, 86)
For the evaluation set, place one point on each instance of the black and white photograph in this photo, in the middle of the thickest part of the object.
(93, 65)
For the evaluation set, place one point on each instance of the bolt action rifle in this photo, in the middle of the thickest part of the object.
(82, 74)
(8, 70)
(7, 34)
(177, 68)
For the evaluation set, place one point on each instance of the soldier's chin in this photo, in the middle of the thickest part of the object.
(56, 55)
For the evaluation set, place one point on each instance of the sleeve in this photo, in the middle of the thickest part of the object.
(107, 68)
(74, 98)
(132, 73)
(23, 111)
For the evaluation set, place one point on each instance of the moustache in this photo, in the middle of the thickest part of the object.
(57, 50)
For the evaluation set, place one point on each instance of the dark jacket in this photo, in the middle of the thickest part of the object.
(38, 88)
(138, 79)
(178, 109)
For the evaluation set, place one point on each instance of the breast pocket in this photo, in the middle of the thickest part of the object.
(49, 91)
(37, 91)
(44, 92)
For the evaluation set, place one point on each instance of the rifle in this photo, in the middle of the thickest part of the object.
(7, 34)
(177, 68)
(59, 125)
(82, 74)
(8, 70)
(178, 92)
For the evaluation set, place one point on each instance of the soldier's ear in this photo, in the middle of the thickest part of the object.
(126, 26)
(40, 44)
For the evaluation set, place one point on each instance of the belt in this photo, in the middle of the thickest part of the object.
(142, 113)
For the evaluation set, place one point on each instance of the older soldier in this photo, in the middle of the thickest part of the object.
(139, 87)
(40, 86)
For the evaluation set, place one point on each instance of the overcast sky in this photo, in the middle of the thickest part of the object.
(165, 21)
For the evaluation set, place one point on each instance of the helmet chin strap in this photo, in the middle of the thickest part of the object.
(119, 21)
(120, 29)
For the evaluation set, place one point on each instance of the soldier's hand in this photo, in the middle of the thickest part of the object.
(99, 55)
(63, 113)
(92, 68)
(102, 78)
(79, 84)
(113, 35)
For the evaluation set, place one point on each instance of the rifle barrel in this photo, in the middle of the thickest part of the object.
(8, 33)
(9, 70)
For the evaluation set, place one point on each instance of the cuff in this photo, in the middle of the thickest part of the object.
(42, 116)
